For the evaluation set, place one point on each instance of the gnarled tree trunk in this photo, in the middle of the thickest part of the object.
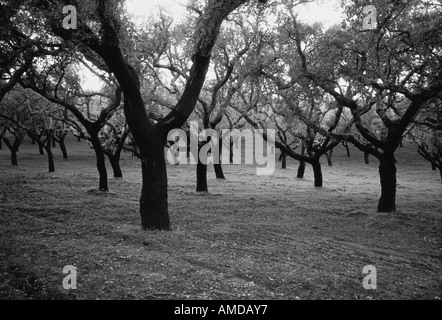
(14, 161)
(41, 147)
(151, 137)
(317, 171)
(347, 149)
(115, 163)
(301, 170)
(219, 172)
(48, 148)
(13, 148)
(201, 173)
(153, 202)
(329, 156)
(367, 158)
(63, 148)
(201, 177)
(387, 173)
(101, 163)
(284, 160)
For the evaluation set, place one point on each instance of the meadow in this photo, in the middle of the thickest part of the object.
(250, 237)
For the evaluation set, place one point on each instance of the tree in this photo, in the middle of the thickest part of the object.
(166, 56)
(20, 47)
(57, 81)
(149, 136)
(114, 135)
(397, 64)
(426, 133)
(291, 106)
(12, 113)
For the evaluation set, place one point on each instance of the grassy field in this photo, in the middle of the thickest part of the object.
(251, 237)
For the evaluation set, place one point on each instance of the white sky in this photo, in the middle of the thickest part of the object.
(325, 11)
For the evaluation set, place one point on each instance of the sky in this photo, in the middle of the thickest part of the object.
(324, 11)
(319, 11)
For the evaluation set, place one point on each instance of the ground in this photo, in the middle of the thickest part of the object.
(250, 237)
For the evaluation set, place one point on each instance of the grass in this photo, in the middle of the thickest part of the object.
(250, 237)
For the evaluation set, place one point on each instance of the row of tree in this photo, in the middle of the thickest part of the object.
(265, 69)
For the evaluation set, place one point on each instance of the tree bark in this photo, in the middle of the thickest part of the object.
(13, 148)
(153, 202)
(40, 147)
(387, 173)
(367, 157)
(347, 149)
(101, 164)
(231, 150)
(63, 147)
(48, 149)
(301, 169)
(201, 174)
(317, 171)
(14, 158)
(149, 136)
(115, 163)
(284, 160)
(329, 156)
(219, 173)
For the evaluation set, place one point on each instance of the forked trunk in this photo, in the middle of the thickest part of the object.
(13, 148)
(153, 202)
(387, 172)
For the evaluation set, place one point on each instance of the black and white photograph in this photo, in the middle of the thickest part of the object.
(224, 157)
